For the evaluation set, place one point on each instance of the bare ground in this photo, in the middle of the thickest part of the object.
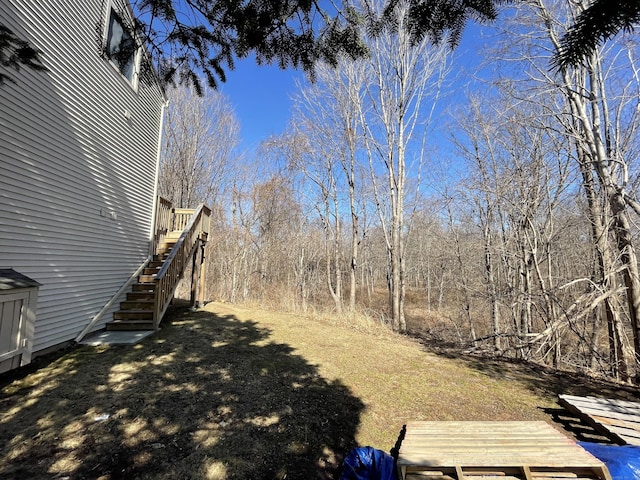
(238, 393)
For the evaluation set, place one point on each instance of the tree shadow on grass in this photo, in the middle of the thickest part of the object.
(542, 380)
(209, 397)
(547, 383)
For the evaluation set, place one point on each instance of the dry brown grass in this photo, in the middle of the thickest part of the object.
(231, 392)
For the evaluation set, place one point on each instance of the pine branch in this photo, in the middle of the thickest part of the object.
(599, 22)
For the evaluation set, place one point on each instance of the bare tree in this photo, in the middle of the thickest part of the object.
(236, 249)
(402, 75)
(344, 85)
(199, 141)
(325, 138)
(591, 113)
(518, 179)
(463, 273)
(601, 113)
(308, 152)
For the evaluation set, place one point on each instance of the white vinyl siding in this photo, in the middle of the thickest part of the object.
(78, 159)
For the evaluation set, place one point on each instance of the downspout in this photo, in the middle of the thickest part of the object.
(154, 210)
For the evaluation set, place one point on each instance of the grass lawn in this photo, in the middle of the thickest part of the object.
(237, 393)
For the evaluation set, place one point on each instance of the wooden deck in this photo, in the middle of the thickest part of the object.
(617, 419)
(492, 451)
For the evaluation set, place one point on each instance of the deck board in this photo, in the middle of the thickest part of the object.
(493, 451)
(617, 419)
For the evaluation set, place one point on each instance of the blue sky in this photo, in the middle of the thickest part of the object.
(261, 95)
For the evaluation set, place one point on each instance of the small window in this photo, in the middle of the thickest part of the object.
(120, 47)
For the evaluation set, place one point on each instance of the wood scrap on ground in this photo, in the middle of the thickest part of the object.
(617, 419)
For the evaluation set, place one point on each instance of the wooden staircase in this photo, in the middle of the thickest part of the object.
(179, 239)
(136, 312)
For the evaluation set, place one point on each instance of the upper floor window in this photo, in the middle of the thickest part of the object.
(121, 47)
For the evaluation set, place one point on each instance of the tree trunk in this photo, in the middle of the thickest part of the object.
(599, 217)
(491, 288)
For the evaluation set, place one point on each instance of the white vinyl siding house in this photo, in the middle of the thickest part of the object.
(78, 164)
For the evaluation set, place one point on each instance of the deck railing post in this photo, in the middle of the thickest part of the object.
(162, 223)
(194, 277)
(203, 274)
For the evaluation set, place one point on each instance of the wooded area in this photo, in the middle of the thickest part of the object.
(520, 241)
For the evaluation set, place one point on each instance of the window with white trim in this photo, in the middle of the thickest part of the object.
(120, 47)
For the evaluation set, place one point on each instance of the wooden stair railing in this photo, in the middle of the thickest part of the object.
(178, 233)
(169, 275)
(164, 220)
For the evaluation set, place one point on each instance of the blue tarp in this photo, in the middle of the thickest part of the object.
(367, 463)
(623, 461)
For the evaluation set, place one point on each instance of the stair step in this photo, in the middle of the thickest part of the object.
(137, 304)
(143, 287)
(140, 296)
(135, 314)
(130, 325)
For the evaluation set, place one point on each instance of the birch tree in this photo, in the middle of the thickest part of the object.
(599, 120)
(404, 78)
(597, 109)
(326, 119)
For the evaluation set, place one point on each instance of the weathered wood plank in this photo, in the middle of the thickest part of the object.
(623, 404)
(604, 407)
(617, 419)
